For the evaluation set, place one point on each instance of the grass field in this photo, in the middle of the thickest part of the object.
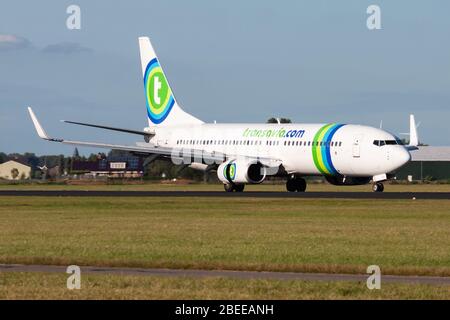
(53, 286)
(309, 235)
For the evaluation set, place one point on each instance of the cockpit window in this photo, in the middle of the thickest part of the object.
(380, 143)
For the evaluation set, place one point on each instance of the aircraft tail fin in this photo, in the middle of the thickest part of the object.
(413, 136)
(162, 108)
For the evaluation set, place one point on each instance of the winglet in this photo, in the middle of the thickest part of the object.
(413, 137)
(40, 131)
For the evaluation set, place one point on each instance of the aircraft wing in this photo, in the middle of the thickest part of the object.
(147, 148)
(142, 133)
(151, 149)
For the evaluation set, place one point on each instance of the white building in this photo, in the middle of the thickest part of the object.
(13, 170)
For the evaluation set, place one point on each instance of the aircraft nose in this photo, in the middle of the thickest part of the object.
(403, 157)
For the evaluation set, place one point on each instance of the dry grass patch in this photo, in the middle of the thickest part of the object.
(53, 286)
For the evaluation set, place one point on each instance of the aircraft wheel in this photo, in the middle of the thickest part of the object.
(291, 185)
(300, 185)
(228, 187)
(378, 187)
(239, 187)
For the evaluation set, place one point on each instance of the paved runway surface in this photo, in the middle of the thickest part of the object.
(227, 274)
(257, 194)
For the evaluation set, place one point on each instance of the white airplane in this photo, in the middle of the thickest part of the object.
(345, 154)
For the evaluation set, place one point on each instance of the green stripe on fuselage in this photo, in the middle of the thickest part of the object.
(317, 149)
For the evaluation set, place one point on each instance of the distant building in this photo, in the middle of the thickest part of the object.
(427, 163)
(13, 170)
(111, 167)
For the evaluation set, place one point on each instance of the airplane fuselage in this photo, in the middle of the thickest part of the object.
(304, 149)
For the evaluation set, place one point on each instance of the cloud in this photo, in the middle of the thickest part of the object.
(9, 42)
(66, 48)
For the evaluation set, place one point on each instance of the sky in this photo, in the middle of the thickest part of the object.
(226, 61)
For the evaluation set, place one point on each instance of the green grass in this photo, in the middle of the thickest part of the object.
(309, 235)
(53, 286)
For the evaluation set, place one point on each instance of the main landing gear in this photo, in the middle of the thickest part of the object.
(296, 184)
(378, 187)
(231, 187)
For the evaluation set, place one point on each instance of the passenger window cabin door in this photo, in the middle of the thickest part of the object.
(356, 146)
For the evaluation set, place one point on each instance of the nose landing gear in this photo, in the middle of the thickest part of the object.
(296, 184)
(378, 187)
(231, 187)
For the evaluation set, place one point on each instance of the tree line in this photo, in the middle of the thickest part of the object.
(59, 165)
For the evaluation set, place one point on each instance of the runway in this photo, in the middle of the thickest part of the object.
(252, 194)
(227, 274)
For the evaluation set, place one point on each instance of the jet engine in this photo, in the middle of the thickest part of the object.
(241, 171)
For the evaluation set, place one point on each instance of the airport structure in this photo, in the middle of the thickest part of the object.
(111, 167)
(13, 170)
(427, 163)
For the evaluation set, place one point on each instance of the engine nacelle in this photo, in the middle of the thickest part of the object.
(348, 181)
(241, 171)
